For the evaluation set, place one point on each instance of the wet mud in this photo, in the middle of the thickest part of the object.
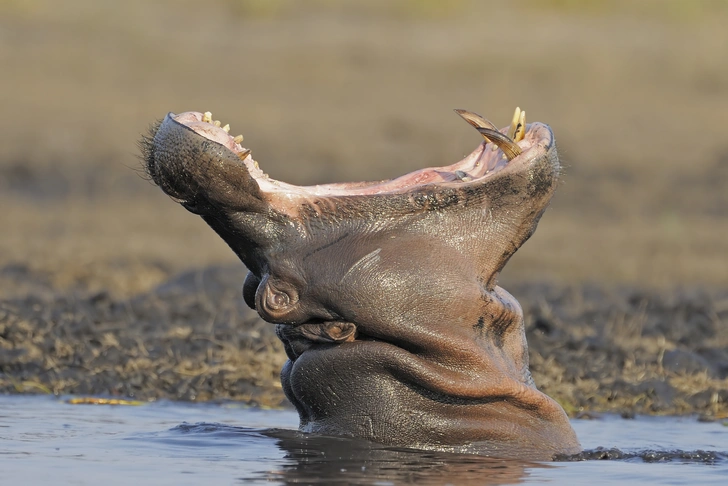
(614, 454)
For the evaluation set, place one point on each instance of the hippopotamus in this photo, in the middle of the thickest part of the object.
(385, 293)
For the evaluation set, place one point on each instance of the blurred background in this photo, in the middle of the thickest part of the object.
(324, 91)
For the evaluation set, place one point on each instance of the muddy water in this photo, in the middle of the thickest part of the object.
(44, 440)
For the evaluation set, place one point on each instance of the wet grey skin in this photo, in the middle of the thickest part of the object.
(384, 293)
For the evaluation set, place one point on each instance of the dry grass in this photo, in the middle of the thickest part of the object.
(627, 350)
(143, 347)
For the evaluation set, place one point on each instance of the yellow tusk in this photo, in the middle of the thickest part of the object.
(242, 155)
(514, 123)
(521, 128)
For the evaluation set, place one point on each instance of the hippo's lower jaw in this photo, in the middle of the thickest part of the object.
(385, 293)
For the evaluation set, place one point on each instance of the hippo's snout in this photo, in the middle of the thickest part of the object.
(199, 164)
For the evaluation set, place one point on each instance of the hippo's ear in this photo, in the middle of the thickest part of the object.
(278, 301)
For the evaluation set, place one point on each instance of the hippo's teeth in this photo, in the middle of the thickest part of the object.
(513, 128)
(244, 154)
(491, 134)
(503, 142)
(226, 128)
(207, 117)
(521, 128)
(477, 121)
(514, 123)
(217, 123)
(463, 176)
(238, 139)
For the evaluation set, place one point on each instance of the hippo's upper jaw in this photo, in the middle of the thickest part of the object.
(385, 292)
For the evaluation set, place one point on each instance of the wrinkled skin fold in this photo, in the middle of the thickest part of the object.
(384, 293)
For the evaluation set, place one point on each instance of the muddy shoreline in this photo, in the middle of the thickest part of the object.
(594, 349)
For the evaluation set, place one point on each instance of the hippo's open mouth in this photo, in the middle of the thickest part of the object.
(300, 242)
(516, 145)
(520, 142)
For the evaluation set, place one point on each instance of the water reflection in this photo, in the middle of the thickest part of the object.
(315, 459)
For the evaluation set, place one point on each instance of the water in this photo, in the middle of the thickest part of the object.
(44, 440)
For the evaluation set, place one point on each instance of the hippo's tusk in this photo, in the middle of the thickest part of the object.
(522, 132)
(503, 142)
(520, 128)
(511, 133)
(491, 134)
(244, 154)
(475, 120)
(517, 130)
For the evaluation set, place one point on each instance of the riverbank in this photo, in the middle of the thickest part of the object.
(192, 338)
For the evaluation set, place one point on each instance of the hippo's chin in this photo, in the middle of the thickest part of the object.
(384, 293)
(380, 392)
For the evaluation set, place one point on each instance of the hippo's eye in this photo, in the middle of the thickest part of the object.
(277, 300)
